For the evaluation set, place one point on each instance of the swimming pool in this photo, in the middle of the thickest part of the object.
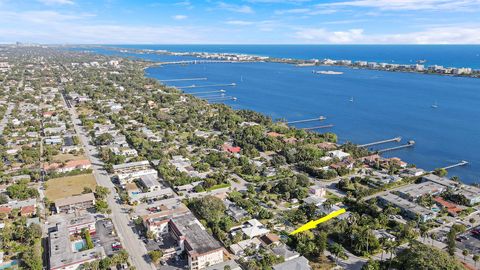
(79, 245)
(9, 264)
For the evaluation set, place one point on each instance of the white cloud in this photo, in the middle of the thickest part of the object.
(179, 17)
(408, 4)
(239, 22)
(235, 8)
(321, 35)
(306, 11)
(433, 35)
(56, 2)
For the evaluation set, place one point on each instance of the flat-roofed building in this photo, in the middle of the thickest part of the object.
(62, 253)
(72, 203)
(131, 167)
(415, 191)
(150, 182)
(201, 248)
(441, 180)
(471, 194)
(408, 208)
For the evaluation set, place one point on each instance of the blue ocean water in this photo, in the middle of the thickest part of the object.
(385, 104)
(447, 55)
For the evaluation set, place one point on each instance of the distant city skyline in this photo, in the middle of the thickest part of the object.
(240, 22)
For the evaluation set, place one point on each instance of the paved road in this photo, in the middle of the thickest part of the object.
(134, 246)
(4, 121)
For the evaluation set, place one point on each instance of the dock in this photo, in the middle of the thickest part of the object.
(461, 163)
(186, 79)
(206, 92)
(321, 118)
(396, 139)
(318, 127)
(408, 144)
(225, 98)
(207, 85)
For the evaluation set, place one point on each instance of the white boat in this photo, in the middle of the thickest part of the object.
(327, 72)
(435, 105)
(351, 99)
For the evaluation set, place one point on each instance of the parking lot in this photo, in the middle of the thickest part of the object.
(105, 235)
(470, 241)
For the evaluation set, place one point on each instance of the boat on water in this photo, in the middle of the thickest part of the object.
(327, 72)
(435, 105)
(351, 99)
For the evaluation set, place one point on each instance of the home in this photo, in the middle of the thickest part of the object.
(251, 228)
(231, 149)
(80, 164)
(338, 154)
(239, 248)
(383, 234)
(270, 239)
(300, 263)
(235, 211)
(284, 251)
(317, 190)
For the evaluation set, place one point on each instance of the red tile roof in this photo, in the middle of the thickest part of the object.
(5, 209)
(28, 210)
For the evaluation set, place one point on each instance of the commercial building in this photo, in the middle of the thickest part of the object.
(201, 248)
(179, 223)
(127, 172)
(79, 202)
(63, 254)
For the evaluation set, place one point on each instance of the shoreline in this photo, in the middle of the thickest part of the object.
(181, 92)
(418, 68)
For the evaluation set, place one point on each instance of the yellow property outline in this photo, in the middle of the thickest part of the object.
(313, 223)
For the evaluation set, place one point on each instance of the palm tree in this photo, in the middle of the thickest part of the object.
(465, 254)
(433, 236)
(383, 245)
(475, 259)
(336, 249)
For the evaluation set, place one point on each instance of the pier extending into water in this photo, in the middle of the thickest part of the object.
(318, 127)
(186, 79)
(206, 85)
(206, 92)
(461, 163)
(321, 118)
(218, 99)
(408, 144)
(396, 139)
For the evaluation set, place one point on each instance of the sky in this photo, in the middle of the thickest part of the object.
(240, 21)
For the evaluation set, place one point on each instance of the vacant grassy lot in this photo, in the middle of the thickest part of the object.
(67, 157)
(62, 187)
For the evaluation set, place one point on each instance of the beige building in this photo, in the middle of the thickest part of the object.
(79, 202)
